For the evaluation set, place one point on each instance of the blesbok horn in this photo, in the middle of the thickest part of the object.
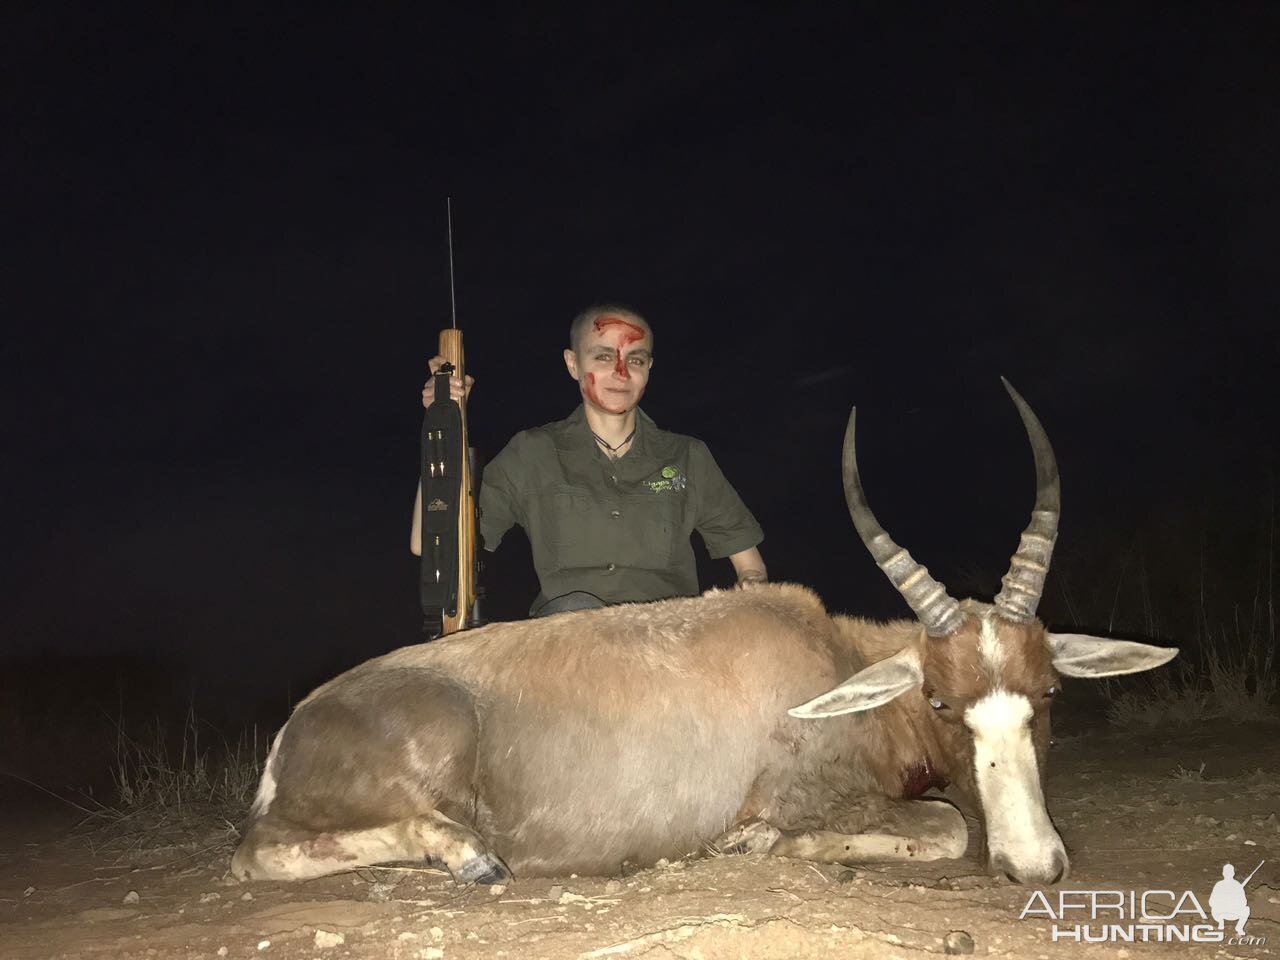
(933, 606)
(1023, 584)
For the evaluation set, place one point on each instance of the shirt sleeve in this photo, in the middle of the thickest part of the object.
(726, 525)
(501, 504)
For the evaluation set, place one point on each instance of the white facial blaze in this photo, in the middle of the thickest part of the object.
(1019, 833)
(989, 644)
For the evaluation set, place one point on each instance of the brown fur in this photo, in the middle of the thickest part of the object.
(577, 742)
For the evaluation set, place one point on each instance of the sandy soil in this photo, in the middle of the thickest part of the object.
(1136, 812)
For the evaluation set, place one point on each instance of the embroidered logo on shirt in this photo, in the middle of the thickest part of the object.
(672, 479)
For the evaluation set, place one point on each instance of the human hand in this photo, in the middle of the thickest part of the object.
(749, 566)
(457, 389)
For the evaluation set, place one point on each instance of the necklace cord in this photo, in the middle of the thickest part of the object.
(612, 449)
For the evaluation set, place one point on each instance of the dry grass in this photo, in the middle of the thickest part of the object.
(147, 774)
(176, 794)
(1224, 676)
(1227, 667)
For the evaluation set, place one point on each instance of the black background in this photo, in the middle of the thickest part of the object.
(226, 267)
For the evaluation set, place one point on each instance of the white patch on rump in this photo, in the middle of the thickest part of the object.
(1020, 836)
(267, 786)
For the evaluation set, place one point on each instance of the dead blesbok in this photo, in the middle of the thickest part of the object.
(584, 740)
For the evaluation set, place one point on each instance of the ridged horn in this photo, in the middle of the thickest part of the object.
(1024, 583)
(939, 613)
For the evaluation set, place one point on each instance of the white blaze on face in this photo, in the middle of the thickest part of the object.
(1020, 837)
(989, 644)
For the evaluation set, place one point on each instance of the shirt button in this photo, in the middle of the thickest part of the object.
(611, 567)
(615, 514)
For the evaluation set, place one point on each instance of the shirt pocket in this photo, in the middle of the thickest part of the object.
(637, 531)
(652, 529)
(571, 527)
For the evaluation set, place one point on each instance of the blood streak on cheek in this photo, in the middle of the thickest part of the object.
(593, 394)
(629, 333)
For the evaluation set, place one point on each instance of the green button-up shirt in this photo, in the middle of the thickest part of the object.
(618, 529)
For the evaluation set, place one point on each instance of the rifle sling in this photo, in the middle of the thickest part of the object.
(441, 472)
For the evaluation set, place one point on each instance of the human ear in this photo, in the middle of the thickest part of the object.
(571, 363)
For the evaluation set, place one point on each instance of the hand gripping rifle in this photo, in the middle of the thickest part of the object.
(449, 587)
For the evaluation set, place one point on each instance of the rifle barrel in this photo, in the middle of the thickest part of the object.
(453, 305)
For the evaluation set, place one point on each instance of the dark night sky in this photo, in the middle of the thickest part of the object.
(225, 267)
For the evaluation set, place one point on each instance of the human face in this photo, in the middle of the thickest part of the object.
(612, 363)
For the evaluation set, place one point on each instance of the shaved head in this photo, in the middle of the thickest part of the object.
(587, 318)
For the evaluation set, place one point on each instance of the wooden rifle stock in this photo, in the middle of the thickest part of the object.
(449, 586)
(460, 619)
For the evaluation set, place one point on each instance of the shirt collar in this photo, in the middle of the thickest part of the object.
(578, 435)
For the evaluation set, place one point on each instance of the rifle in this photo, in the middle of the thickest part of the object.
(448, 581)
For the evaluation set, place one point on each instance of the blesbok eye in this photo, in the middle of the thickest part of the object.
(1051, 693)
(937, 704)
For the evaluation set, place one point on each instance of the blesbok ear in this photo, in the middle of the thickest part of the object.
(1079, 655)
(877, 684)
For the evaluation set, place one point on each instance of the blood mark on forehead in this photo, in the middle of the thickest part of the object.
(629, 332)
(633, 331)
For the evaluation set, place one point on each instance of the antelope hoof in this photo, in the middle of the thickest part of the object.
(754, 836)
(485, 869)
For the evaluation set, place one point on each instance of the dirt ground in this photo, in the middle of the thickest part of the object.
(1137, 812)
